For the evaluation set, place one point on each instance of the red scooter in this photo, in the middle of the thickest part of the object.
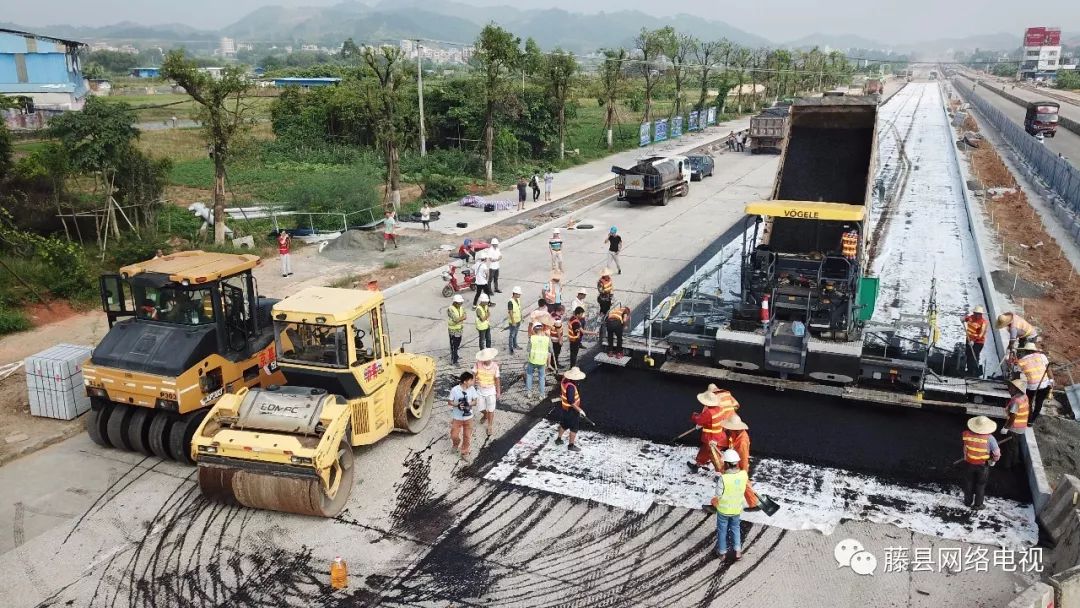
(454, 284)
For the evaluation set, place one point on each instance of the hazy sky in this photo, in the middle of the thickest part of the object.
(898, 21)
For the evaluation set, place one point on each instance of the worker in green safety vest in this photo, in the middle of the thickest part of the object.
(728, 503)
(455, 323)
(539, 348)
(483, 322)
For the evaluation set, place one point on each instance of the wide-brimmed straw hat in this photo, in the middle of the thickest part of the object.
(708, 399)
(981, 425)
(487, 354)
(605, 272)
(1020, 384)
(734, 423)
(1004, 319)
(979, 310)
(714, 389)
(1029, 348)
(574, 373)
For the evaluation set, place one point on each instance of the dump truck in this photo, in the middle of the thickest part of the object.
(873, 86)
(654, 179)
(184, 329)
(1042, 117)
(767, 130)
(290, 448)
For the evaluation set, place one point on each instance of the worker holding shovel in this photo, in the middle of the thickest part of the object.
(976, 327)
(1018, 410)
(712, 434)
(980, 453)
(570, 400)
(739, 440)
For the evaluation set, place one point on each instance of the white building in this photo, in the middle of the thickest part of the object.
(1042, 52)
(227, 47)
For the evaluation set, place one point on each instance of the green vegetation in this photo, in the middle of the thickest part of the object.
(1068, 80)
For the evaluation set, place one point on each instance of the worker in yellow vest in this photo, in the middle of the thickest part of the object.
(539, 351)
(980, 453)
(488, 386)
(455, 323)
(483, 321)
(1018, 412)
(1035, 367)
(728, 503)
(513, 317)
(1020, 331)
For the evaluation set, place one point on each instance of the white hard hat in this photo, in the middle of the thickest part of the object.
(458, 299)
(731, 457)
(482, 254)
(516, 289)
(494, 241)
(555, 231)
(484, 298)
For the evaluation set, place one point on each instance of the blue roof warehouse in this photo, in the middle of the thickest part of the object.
(44, 72)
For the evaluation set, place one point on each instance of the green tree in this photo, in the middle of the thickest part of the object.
(1068, 79)
(349, 50)
(706, 53)
(678, 48)
(6, 151)
(114, 62)
(97, 140)
(224, 114)
(612, 73)
(650, 43)
(532, 60)
(496, 57)
(386, 64)
(559, 71)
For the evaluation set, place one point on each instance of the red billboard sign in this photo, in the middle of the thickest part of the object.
(1042, 36)
(1053, 37)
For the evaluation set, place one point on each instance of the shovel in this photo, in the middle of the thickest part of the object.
(684, 434)
(1000, 443)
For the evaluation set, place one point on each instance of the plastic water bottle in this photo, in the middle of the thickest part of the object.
(339, 574)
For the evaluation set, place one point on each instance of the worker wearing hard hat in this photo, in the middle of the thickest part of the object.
(455, 323)
(731, 485)
(738, 439)
(712, 434)
(1035, 367)
(483, 321)
(1020, 331)
(1018, 412)
(494, 258)
(539, 350)
(513, 317)
(555, 246)
(976, 328)
(981, 452)
(605, 295)
(482, 274)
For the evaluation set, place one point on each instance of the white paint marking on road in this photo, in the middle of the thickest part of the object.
(635, 474)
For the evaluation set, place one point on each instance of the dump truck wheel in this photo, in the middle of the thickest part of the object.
(180, 436)
(117, 426)
(138, 431)
(96, 422)
(158, 437)
(299, 495)
(412, 415)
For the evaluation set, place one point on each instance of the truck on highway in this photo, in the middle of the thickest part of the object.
(767, 130)
(873, 86)
(1042, 117)
(654, 179)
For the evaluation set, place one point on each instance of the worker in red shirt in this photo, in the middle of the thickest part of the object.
(738, 439)
(728, 404)
(976, 326)
(284, 240)
(713, 439)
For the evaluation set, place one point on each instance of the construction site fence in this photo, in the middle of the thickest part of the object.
(1055, 171)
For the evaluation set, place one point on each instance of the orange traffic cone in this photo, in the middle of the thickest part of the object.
(339, 574)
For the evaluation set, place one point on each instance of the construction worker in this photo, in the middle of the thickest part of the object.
(455, 323)
(488, 386)
(731, 485)
(1020, 331)
(738, 439)
(1018, 412)
(976, 327)
(556, 334)
(552, 293)
(482, 272)
(483, 321)
(605, 289)
(539, 351)
(728, 404)
(712, 434)
(980, 453)
(849, 243)
(1036, 369)
(494, 258)
(284, 243)
(462, 401)
(540, 315)
(575, 331)
(614, 243)
(617, 322)
(570, 400)
(579, 301)
(555, 244)
(513, 317)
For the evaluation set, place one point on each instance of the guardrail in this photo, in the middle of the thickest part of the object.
(1061, 177)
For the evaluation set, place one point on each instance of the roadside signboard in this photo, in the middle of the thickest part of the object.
(676, 127)
(661, 130)
(694, 121)
(643, 135)
(712, 116)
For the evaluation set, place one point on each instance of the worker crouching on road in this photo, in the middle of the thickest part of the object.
(618, 320)
(980, 453)
(455, 324)
(1020, 331)
(1018, 410)
(1036, 369)
(488, 386)
(976, 326)
(570, 401)
(738, 439)
(731, 485)
(712, 434)
(462, 402)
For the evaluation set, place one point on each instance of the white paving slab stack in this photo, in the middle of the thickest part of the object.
(54, 382)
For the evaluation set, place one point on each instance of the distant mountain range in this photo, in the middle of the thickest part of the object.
(447, 20)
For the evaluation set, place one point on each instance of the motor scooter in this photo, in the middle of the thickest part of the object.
(456, 283)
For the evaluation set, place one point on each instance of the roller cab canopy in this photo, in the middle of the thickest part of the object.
(333, 306)
(192, 266)
(808, 210)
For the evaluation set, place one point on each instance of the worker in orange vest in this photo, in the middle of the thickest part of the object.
(556, 334)
(1018, 411)
(976, 326)
(849, 243)
(738, 439)
(605, 295)
(1035, 366)
(570, 400)
(617, 322)
(981, 452)
(713, 440)
(728, 404)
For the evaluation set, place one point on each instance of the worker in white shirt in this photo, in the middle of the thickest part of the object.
(482, 272)
(555, 244)
(579, 301)
(494, 256)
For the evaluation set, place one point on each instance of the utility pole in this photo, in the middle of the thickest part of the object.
(420, 94)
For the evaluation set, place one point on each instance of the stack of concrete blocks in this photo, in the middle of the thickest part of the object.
(54, 382)
(1061, 521)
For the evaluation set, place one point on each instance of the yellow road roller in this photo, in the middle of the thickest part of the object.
(290, 448)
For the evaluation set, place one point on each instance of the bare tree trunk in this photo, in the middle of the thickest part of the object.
(562, 130)
(219, 200)
(489, 145)
(394, 172)
(112, 208)
(610, 124)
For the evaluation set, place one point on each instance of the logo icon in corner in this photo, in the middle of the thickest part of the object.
(851, 553)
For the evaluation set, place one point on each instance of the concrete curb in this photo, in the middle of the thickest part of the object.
(559, 221)
(1039, 595)
(1061, 520)
(1066, 586)
(42, 443)
(1040, 486)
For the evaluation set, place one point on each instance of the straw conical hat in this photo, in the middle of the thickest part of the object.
(981, 425)
(734, 423)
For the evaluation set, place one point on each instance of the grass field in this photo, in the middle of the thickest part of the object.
(164, 106)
